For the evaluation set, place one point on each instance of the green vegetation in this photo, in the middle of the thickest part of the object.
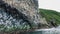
(13, 28)
(50, 14)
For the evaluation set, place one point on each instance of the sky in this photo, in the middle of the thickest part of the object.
(50, 4)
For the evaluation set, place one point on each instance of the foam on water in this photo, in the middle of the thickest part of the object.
(50, 30)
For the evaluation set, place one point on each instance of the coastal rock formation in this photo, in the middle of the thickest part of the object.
(29, 8)
(20, 15)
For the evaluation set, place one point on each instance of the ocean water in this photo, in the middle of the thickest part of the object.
(46, 31)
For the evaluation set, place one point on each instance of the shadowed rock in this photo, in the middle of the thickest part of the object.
(29, 8)
(11, 18)
(20, 14)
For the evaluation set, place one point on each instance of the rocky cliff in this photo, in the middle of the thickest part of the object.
(20, 15)
(29, 8)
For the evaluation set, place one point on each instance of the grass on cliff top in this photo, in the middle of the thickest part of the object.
(50, 14)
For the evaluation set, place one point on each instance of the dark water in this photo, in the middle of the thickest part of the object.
(46, 31)
(36, 32)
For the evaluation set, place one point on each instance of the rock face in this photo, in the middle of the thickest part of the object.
(29, 8)
(20, 14)
(11, 19)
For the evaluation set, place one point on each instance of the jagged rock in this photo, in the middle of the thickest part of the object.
(29, 8)
(11, 19)
(20, 14)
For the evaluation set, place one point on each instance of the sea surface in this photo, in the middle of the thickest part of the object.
(46, 31)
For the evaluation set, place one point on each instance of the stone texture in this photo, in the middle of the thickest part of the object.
(29, 8)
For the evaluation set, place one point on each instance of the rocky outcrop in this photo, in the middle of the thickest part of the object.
(20, 15)
(11, 19)
(29, 8)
